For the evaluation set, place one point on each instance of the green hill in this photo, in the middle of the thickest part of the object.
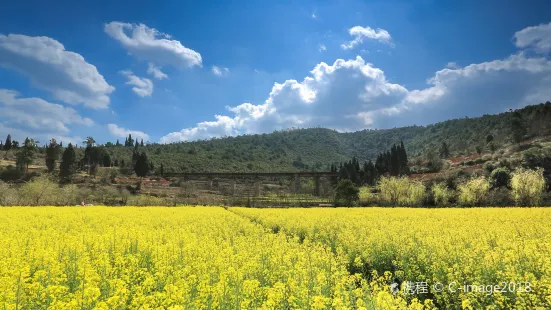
(317, 148)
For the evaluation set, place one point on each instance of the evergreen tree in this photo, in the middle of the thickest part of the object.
(8, 144)
(68, 163)
(142, 165)
(141, 143)
(106, 161)
(162, 170)
(444, 150)
(518, 127)
(52, 154)
(26, 155)
(137, 144)
(118, 143)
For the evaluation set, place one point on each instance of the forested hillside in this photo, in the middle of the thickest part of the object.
(318, 148)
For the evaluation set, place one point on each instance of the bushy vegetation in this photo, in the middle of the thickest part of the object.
(527, 186)
(401, 191)
(346, 193)
(474, 191)
(441, 194)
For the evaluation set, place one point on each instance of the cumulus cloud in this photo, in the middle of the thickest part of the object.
(36, 114)
(49, 66)
(353, 95)
(360, 33)
(218, 71)
(156, 72)
(536, 37)
(120, 132)
(153, 46)
(143, 87)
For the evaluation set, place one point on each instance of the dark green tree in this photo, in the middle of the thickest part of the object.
(26, 155)
(106, 161)
(444, 150)
(346, 193)
(52, 154)
(142, 165)
(7, 144)
(489, 138)
(68, 164)
(518, 127)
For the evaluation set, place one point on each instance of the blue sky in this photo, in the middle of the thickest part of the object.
(184, 71)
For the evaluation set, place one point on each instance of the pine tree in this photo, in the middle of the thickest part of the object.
(106, 161)
(26, 155)
(141, 143)
(444, 150)
(162, 170)
(68, 163)
(118, 143)
(52, 154)
(8, 144)
(142, 165)
(518, 127)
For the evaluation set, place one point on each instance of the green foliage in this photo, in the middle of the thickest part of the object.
(68, 164)
(527, 186)
(441, 194)
(26, 155)
(474, 191)
(518, 127)
(346, 193)
(142, 165)
(444, 150)
(500, 177)
(39, 191)
(8, 143)
(401, 191)
(52, 154)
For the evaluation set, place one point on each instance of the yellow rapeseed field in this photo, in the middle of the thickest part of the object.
(163, 258)
(241, 258)
(473, 258)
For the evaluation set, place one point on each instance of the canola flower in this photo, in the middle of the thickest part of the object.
(166, 258)
(453, 247)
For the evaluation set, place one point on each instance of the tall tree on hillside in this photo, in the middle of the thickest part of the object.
(444, 150)
(26, 155)
(162, 170)
(518, 127)
(142, 165)
(52, 154)
(90, 144)
(68, 164)
(106, 161)
(141, 143)
(14, 145)
(7, 144)
(489, 138)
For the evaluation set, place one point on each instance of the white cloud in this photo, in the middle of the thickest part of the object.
(353, 95)
(360, 33)
(322, 48)
(314, 16)
(153, 46)
(120, 132)
(218, 71)
(49, 66)
(536, 37)
(156, 72)
(38, 115)
(143, 87)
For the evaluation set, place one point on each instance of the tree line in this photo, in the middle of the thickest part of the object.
(393, 162)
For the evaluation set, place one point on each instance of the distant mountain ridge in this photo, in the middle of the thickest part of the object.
(315, 149)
